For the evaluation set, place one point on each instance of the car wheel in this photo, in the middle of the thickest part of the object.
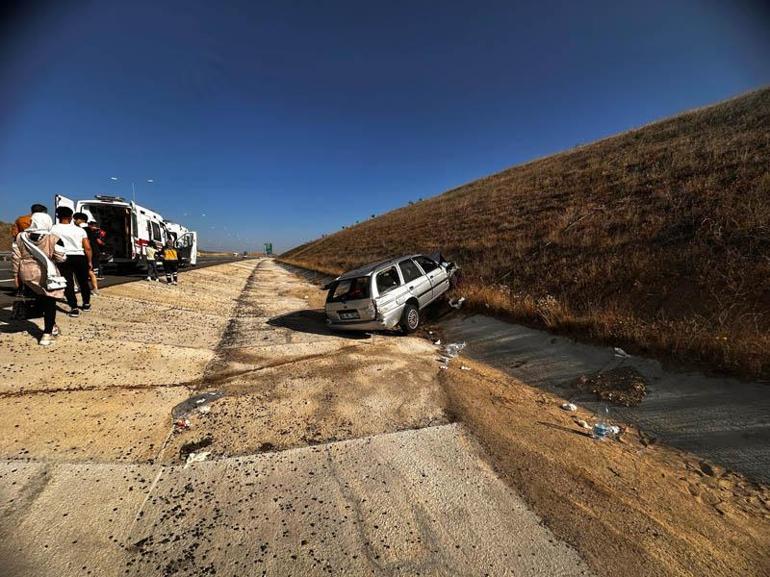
(410, 319)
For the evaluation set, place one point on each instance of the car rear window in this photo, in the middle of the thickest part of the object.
(350, 290)
(409, 270)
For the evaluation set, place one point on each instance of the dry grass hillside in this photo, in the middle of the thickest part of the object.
(657, 239)
(5, 236)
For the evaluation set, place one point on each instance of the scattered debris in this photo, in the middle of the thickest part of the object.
(449, 352)
(204, 409)
(456, 303)
(453, 349)
(620, 353)
(464, 368)
(182, 425)
(603, 431)
(437, 342)
(621, 386)
(196, 458)
(569, 407)
(582, 424)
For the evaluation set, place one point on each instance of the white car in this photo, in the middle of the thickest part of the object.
(388, 294)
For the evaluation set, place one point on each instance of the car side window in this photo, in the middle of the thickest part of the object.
(426, 263)
(387, 280)
(409, 270)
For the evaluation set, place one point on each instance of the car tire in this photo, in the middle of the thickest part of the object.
(410, 318)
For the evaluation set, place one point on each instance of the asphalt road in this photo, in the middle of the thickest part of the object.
(7, 290)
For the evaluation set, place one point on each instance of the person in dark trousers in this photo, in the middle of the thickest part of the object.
(96, 240)
(78, 259)
(81, 219)
(34, 274)
(170, 261)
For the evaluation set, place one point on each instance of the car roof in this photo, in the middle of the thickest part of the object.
(370, 268)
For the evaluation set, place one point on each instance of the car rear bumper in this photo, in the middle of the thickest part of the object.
(375, 325)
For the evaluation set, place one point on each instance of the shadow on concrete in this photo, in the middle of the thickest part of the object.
(314, 323)
(20, 325)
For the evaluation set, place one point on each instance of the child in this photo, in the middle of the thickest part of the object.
(170, 261)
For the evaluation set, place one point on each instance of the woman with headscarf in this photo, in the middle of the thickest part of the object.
(34, 253)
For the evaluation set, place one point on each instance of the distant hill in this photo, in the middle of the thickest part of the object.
(5, 236)
(657, 239)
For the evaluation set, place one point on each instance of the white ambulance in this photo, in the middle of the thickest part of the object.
(129, 227)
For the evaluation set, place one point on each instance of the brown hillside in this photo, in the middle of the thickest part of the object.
(5, 236)
(658, 238)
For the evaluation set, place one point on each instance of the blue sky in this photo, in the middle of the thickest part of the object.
(281, 121)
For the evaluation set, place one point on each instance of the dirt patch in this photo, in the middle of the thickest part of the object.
(630, 508)
(620, 386)
(352, 391)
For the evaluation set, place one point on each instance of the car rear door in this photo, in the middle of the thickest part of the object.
(350, 300)
(437, 275)
(391, 291)
(417, 283)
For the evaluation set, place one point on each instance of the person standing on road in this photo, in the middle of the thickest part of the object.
(170, 261)
(151, 253)
(78, 262)
(96, 240)
(81, 219)
(34, 254)
(19, 225)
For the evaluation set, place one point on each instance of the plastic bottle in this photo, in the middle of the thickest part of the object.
(602, 429)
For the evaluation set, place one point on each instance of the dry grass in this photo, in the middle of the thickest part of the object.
(657, 239)
(5, 236)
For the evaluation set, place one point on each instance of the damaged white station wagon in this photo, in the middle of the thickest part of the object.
(388, 294)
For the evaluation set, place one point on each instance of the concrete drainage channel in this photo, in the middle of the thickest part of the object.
(721, 419)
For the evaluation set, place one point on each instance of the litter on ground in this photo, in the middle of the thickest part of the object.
(569, 407)
(182, 425)
(196, 458)
(456, 303)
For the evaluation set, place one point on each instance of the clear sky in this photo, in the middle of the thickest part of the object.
(281, 121)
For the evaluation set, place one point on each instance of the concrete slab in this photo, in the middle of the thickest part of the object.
(129, 425)
(103, 364)
(415, 502)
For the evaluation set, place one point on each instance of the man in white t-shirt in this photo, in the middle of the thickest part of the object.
(78, 259)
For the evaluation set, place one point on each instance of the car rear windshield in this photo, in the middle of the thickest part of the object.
(349, 290)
